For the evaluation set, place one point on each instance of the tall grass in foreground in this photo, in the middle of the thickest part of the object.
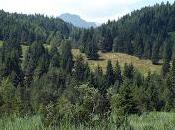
(151, 121)
(154, 121)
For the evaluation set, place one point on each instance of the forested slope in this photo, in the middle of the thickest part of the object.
(143, 33)
(30, 28)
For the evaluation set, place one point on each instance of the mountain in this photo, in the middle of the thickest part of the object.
(77, 21)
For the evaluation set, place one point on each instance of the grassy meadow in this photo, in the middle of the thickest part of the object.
(142, 65)
(151, 121)
(1, 43)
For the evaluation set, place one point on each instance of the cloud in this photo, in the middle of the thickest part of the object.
(91, 10)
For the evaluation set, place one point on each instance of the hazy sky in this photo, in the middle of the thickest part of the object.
(91, 10)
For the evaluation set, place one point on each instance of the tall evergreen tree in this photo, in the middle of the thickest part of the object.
(109, 74)
(117, 74)
(79, 68)
(128, 71)
(66, 57)
(91, 50)
(171, 86)
(55, 57)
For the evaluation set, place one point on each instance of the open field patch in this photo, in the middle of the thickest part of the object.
(142, 65)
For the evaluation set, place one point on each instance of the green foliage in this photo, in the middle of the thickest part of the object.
(118, 114)
(66, 57)
(10, 102)
(1, 44)
(109, 74)
(81, 70)
(117, 76)
(128, 71)
(64, 91)
(91, 50)
(30, 28)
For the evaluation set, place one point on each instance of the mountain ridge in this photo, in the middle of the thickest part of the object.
(76, 20)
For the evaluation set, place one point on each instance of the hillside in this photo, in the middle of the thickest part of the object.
(30, 28)
(144, 33)
(77, 21)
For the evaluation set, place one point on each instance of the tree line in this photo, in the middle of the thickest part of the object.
(143, 33)
(61, 88)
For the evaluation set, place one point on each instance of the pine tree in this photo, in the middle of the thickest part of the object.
(91, 50)
(79, 68)
(139, 47)
(107, 42)
(117, 74)
(172, 79)
(109, 74)
(128, 71)
(128, 103)
(55, 57)
(165, 68)
(99, 79)
(166, 58)
(167, 55)
(66, 57)
(155, 53)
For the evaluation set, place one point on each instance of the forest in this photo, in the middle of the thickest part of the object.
(53, 86)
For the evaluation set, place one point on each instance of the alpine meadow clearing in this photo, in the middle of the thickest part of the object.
(142, 65)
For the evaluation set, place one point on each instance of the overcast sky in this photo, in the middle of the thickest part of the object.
(90, 10)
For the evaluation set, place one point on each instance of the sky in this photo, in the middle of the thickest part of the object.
(91, 10)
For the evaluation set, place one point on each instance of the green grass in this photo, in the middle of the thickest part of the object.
(24, 52)
(1, 43)
(151, 121)
(142, 65)
(154, 121)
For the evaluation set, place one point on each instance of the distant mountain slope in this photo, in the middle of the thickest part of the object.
(30, 28)
(77, 21)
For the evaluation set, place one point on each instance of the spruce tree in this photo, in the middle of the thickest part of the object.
(66, 56)
(128, 71)
(117, 74)
(109, 74)
(55, 57)
(165, 68)
(167, 55)
(127, 100)
(91, 50)
(166, 58)
(79, 68)
(155, 53)
(99, 79)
